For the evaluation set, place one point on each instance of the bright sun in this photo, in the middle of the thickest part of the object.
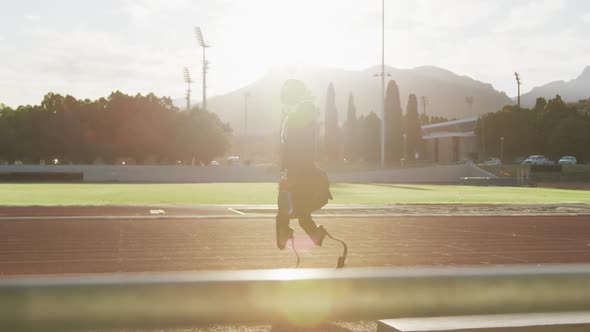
(287, 32)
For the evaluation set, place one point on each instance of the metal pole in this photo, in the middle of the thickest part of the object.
(189, 81)
(245, 141)
(383, 83)
(204, 80)
(246, 114)
(518, 86)
(502, 149)
(188, 98)
(404, 151)
(154, 301)
(483, 137)
(203, 45)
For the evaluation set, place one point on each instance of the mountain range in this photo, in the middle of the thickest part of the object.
(570, 91)
(446, 93)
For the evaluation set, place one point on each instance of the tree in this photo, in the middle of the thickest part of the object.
(516, 127)
(393, 124)
(583, 106)
(350, 132)
(142, 128)
(551, 128)
(555, 112)
(24, 125)
(201, 136)
(369, 137)
(540, 105)
(424, 120)
(331, 133)
(570, 138)
(413, 129)
(438, 119)
(7, 134)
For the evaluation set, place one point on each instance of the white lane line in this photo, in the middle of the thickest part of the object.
(153, 217)
(236, 211)
(270, 216)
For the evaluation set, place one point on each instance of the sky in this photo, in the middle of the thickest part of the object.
(89, 48)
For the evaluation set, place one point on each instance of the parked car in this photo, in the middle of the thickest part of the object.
(493, 161)
(464, 161)
(233, 161)
(518, 160)
(535, 160)
(214, 163)
(568, 160)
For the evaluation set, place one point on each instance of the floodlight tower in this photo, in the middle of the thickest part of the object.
(245, 139)
(382, 74)
(518, 83)
(424, 104)
(246, 98)
(470, 100)
(204, 46)
(188, 81)
(383, 83)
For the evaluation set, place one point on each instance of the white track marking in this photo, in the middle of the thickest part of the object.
(271, 216)
(236, 211)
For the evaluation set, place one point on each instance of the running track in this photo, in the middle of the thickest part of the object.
(53, 245)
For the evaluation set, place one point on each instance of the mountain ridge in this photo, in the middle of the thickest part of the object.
(446, 92)
(570, 91)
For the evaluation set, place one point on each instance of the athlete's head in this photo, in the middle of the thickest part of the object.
(298, 103)
(303, 113)
(293, 92)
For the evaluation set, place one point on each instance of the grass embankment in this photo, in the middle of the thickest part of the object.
(265, 193)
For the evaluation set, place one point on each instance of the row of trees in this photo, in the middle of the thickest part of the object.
(551, 128)
(145, 129)
(360, 137)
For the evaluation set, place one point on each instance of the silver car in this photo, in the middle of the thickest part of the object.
(535, 160)
(568, 160)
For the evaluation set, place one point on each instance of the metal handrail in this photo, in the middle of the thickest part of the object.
(295, 296)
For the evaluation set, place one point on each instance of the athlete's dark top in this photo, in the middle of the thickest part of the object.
(297, 146)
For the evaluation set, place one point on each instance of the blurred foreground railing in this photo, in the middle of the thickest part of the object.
(295, 296)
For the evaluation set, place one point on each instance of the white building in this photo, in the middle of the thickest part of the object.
(449, 142)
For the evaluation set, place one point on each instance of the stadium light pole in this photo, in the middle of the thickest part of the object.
(382, 83)
(502, 149)
(518, 83)
(404, 150)
(483, 136)
(246, 98)
(188, 81)
(470, 100)
(245, 141)
(204, 46)
(424, 104)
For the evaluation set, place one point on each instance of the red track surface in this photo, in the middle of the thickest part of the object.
(54, 246)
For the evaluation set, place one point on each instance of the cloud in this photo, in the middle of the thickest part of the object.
(142, 11)
(87, 64)
(532, 15)
(33, 18)
(146, 43)
(449, 14)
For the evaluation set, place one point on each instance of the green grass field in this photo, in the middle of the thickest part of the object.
(569, 173)
(265, 193)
